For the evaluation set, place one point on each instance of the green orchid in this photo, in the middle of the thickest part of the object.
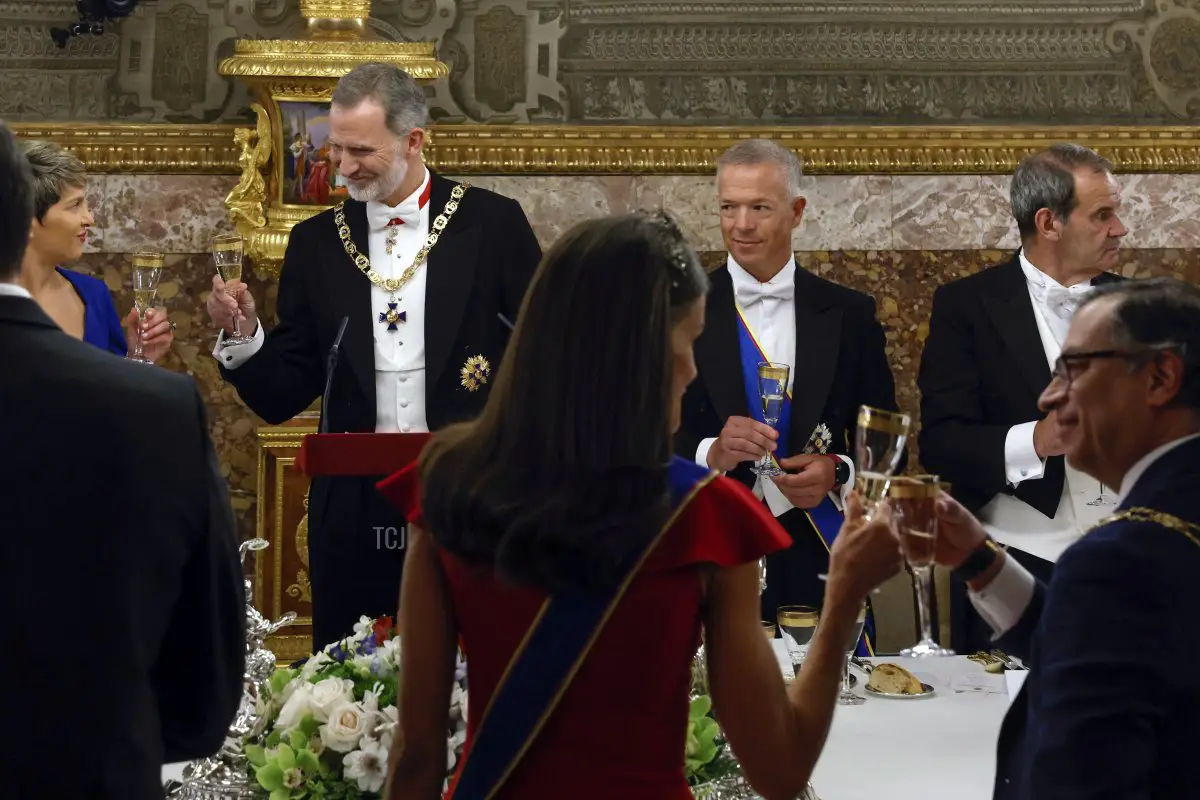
(702, 732)
(288, 773)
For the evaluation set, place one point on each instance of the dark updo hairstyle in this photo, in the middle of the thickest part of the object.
(565, 470)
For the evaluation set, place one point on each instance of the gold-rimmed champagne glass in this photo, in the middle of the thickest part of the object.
(914, 497)
(227, 249)
(797, 624)
(147, 270)
(878, 448)
(772, 389)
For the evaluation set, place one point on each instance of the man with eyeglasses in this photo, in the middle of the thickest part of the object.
(1110, 706)
(993, 340)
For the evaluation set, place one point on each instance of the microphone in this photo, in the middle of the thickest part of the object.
(330, 366)
(504, 319)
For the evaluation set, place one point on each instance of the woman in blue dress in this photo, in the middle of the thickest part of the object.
(79, 304)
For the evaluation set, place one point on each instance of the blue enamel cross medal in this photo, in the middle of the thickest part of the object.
(392, 316)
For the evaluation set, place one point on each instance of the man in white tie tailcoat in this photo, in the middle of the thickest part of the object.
(425, 271)
(762, 306)
(994, 337)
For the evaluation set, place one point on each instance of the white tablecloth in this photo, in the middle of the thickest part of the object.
(932, 748)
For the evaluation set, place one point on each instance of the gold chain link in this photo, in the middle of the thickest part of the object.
(1139, 514)
(393, 285)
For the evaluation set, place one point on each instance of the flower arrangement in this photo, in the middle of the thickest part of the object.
(326, 728)
(709, 765)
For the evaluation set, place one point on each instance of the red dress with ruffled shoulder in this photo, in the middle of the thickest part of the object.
(619, 729)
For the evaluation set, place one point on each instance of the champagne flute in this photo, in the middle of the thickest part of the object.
(878, 447)
(847, 697)
(914, 497)
(772, 389)
(797, 624)
(227, 251)
(147, 269)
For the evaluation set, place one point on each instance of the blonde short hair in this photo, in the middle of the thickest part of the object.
(54, 170)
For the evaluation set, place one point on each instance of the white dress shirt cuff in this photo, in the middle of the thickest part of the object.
(1002, 602)
(1021, 462)
(702, 451)
(840, 492)
(233, 356)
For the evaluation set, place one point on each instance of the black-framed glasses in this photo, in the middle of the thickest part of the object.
(1070, 366)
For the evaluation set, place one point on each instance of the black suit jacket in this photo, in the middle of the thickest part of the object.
(122, 608)
(982, 372)
(1110, 707)
(479, 268)
(840, 364)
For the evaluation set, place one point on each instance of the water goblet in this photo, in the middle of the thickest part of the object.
(797, 624)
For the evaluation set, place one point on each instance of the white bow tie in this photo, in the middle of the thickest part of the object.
(1063, 301)
(380, 216)
(747, 295)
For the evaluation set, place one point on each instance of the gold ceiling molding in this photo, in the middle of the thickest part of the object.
(645, 150)
(154, 149)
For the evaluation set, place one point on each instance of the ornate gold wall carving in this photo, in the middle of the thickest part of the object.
(624, 149)
(650, 61)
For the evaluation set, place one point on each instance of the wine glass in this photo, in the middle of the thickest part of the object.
(772, 389)
(227, 251)
(147, 269)
(846, 697)
(768, 629)
(797, 624)
(913, 497)
(878, 447)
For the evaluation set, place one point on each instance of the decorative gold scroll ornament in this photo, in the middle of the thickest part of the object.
(305, 70)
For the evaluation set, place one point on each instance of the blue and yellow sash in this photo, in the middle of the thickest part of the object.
(825, 518)
(555, 646)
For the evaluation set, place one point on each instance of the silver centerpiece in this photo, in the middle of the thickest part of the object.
(226, 775)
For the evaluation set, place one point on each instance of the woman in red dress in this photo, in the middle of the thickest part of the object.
(578, 562)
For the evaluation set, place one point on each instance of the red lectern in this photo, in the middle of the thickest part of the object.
(326, 454)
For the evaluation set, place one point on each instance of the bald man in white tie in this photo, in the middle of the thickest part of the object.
(993, 340)
(763, 307)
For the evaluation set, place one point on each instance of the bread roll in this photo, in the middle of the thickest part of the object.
(893, 679)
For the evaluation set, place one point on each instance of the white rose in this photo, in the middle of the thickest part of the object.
(328, 694)
(314, 664)
(345, 728)
(298, 704)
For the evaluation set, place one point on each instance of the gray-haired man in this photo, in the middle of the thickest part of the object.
(762, 307)
(993, 339)
(424, 334)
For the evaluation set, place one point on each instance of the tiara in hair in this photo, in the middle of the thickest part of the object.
(672, 237)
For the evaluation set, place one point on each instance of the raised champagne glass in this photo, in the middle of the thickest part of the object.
(914, 498)
(878, 447)
(797, 624)
(772, 389)
(147, 270)
(227, 249)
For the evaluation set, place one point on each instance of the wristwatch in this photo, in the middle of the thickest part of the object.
(841, 471)
(979, 560)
